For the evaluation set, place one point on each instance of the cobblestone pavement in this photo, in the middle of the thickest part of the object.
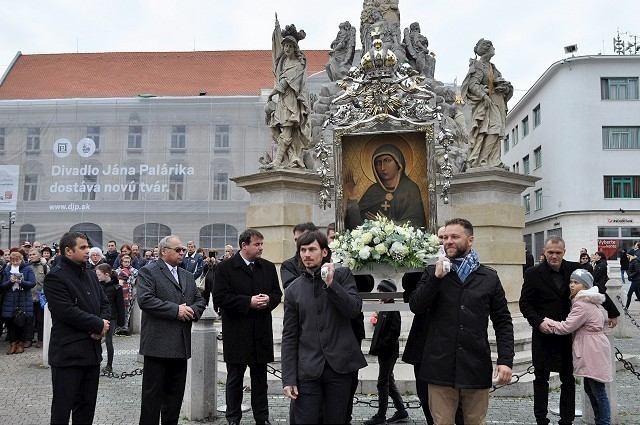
(25, 392)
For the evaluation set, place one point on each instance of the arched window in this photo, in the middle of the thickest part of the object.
(148, 235)
(218, 235)
(92, 230)
(27, 233)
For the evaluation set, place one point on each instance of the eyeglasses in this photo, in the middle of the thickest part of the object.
(179, 249)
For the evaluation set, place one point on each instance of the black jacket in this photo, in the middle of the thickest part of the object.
(290, 270)
(247, 333)
(316, 327)
(600, 276)
(540, 298)
(414, 348)
(385, 335)
(113, 291)
(78, 306)
(457, 352)
(634, 270)
(111, 257)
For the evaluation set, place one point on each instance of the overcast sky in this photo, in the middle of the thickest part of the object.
(528, 35)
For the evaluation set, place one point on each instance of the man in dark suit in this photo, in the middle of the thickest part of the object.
(545, 293)
(319, 352)
(170, 301)
(290, 268)
(246, 288)
(80, 314)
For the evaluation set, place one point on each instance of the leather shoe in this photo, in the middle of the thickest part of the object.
(266, 422)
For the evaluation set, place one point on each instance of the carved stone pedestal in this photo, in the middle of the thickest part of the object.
(280, 199)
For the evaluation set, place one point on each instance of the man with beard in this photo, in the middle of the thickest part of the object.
(545, 293)
(319, 352)
(290, 268)
(459, 295)
(246, 288)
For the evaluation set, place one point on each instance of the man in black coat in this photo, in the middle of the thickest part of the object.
(319, 352)
(246, 288)
(80, 315)
(545, 293)
(170, 301)
(291, 267)
(458, 304)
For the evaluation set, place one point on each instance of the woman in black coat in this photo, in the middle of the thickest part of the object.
(585, 262)
(112, 289)
(633, 273)
(600, 276)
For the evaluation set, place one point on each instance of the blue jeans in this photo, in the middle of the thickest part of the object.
(599, 401)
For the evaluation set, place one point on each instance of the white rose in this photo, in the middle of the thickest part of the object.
(399, 249)
(366, 238)
(381, 248)
(334, 244)
(388, 228)
(365, 253)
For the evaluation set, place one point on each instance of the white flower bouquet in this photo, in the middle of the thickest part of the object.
(382, 241)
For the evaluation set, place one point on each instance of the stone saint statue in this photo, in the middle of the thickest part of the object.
(342, 51)
(488, 93)
(417, 46)
(287, 109)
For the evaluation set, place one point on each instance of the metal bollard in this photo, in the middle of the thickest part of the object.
(200, 395)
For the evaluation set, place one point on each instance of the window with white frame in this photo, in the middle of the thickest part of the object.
(178, 137)
(33, 139)
(132, 192)
(620, 138)
(525, 126)
(134, 140)
(525, 165)
(222, 137)
(538, 194)
(93, 133)
(221, 186)
(514, 135)
(537, 117)
(505, 145)
(619, 88)
(537, 157)
(516, 167)
(526, 201)
(90, 183)
(30, 188)
(176, 187)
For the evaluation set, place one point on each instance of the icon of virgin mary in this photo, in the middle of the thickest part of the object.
(394, 194)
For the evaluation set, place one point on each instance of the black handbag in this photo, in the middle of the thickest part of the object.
(19, 318)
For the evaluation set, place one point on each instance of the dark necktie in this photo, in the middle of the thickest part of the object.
(252, 267)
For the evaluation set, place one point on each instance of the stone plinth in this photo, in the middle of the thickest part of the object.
(491, 199)
(280, 199)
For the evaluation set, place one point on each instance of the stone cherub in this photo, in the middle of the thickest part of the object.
(288, 108)
(488, 93)
(342, 51)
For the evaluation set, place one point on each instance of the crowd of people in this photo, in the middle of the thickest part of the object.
(90, 295)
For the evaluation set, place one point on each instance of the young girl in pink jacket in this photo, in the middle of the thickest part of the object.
(591, 348)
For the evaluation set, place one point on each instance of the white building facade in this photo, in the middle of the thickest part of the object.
(578, 129)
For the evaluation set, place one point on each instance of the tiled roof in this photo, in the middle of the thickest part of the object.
(98, 75)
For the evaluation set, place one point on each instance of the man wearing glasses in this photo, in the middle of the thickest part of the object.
(169, 301)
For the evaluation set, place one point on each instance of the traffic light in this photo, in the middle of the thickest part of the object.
(12, 217)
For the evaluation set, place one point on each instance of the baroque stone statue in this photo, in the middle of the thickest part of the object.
(287, 109)
(417, 46)
(342, 51)
(487, 93)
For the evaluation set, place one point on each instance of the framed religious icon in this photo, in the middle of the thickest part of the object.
(388, 173)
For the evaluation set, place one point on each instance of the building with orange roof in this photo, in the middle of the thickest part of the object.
(133, 146)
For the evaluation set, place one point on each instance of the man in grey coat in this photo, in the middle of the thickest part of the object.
(169, 301)
(319, 352)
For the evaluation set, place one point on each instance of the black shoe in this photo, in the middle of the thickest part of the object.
(266, 422)
(399, 416)
(375, 420)
(107, 369)
(234, 422)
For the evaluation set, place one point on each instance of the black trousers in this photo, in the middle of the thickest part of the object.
(163, 384)
(541, 397)
(35, 324)
(108, 341)
(387, 385)
(422, 388)
(16, 333)
(259, 403)
(633, 289)
(75, 390)
(324, 400)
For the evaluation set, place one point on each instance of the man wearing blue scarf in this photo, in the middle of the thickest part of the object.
(457, 359)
